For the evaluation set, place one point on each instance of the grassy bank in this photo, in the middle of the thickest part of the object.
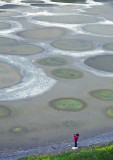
(91, 153)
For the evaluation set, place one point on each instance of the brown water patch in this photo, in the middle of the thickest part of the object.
(8, 75)
(103, 62)
(43, 33)
(99, 29)
(21, 49)
(70, 19)
(73, 44)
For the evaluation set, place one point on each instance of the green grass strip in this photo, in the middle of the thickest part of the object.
(92, 153)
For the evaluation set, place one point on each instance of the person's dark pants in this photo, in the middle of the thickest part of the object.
(75, 143)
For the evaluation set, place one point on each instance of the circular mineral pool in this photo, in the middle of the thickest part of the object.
(110, 112)
(69, 19)
(43, 33)
(67, 73)
(44, 5)
(4, 112)
(10, 6)
(67, 104)
(52, 61)
(8, 75)
(70, 1)
(21, 49)
(4, 25)
(69, 124)
(18, 130)
(7, 42)
(99, 29)
(73, 44)
(103, 94)
(108, 46)
(32, 1)
(6, 15)
(103, 62)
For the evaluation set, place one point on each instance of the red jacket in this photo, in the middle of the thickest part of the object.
(75, 138)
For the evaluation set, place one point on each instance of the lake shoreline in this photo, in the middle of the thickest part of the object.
(97, 140)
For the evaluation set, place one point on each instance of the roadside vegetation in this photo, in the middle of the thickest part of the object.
(104, 152)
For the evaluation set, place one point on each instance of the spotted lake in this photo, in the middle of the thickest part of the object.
(56, 72)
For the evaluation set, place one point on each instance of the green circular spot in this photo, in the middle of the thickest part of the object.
(67, 73)
(52, 61)
(69, 124)
(110, 111)
(67, 104)
(4, 111)
(73, 44)
(103, 94)
(18, 130)
(108, 46)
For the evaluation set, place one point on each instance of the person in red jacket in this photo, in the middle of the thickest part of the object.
(76, 136)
